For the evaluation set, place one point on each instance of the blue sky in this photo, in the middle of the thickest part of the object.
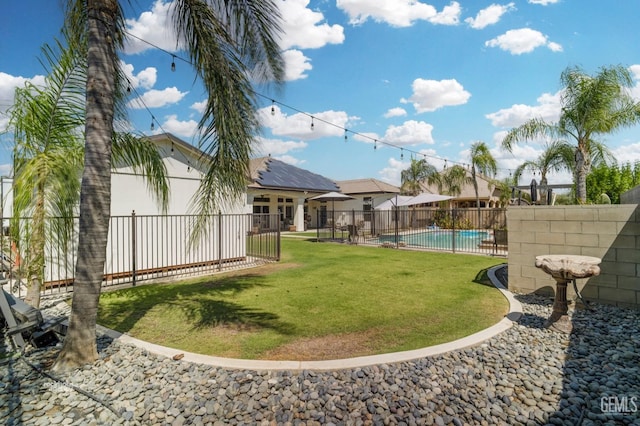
(424, 79)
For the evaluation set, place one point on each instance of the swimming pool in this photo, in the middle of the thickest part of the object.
(443, 239)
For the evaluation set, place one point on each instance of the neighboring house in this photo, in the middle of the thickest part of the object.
(488, 193)
(274, 187)
(278, 187)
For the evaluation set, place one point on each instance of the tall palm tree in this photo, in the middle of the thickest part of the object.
(48, 158)
(231, 45)
(591, 107)
(481, 162)
(419, 171)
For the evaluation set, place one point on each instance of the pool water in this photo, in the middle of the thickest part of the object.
(441, 239)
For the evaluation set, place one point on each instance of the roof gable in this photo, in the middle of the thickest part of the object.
(367, 186)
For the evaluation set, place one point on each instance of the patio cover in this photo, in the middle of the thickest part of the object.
(408, 200)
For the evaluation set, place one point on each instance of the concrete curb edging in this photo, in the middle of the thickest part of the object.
(515, 312)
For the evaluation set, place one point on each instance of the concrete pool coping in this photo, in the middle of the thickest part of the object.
(515, 312)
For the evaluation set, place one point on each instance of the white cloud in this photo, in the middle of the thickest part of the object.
(523, 40)
(548, 109)
(153, 26)
(398, 13)
(278, 147)
(543, 2)
(395, 112)
(298, 126)
(391, 173)
(430, 95)
(489, 15)
(305, 28)
(157, 98)
(627, 153)
(179, 128)
(409, 133)
(289, 159)
(296, 64)
(145, 79)
(199, 106)
(8, 85)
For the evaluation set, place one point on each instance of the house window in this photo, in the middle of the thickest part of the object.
(367, 204)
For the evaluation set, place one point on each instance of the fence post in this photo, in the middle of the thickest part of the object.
(278, 243)
(453, 233)
(133, 246)
(219, 240)
(396, 219)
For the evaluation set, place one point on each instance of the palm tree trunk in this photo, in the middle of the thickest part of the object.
(95, 195)
(35, 264)
(582, 170)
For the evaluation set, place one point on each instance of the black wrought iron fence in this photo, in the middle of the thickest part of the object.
(457, 230)
(141, 247)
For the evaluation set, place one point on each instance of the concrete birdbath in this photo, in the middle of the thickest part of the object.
(564, 268)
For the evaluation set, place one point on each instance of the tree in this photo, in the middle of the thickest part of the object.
(591, 107)
(612, 181)
(483, 162)
(556, 156)
(48, 158)
(453, 180)
(419, 171)
(231, 45)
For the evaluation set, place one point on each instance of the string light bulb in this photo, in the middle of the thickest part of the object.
(172, 150)
(345, 134)
(153, 126)
(375, 144)
(173, 63)
(445, 163)
(273, 108)
(312, 123)
(402, 153)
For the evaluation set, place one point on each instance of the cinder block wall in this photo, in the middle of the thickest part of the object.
(610, 232)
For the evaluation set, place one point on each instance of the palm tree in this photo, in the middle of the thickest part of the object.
(453, 180)
(48, 158)
(419, 171)
(556, 156)
(591, 107)
(483, 162)
(231, 45)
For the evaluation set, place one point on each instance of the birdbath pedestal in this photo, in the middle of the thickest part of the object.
(564, 268)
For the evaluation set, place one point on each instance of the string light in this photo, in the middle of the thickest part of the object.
(273, 102)
(402, 153)
(153, 126)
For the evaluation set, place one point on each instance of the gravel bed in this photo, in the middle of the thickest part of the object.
(527, 375)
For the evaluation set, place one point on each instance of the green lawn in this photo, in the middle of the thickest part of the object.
(321, 301)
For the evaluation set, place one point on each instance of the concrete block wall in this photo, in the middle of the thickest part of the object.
(632, 196)
(610, 232)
